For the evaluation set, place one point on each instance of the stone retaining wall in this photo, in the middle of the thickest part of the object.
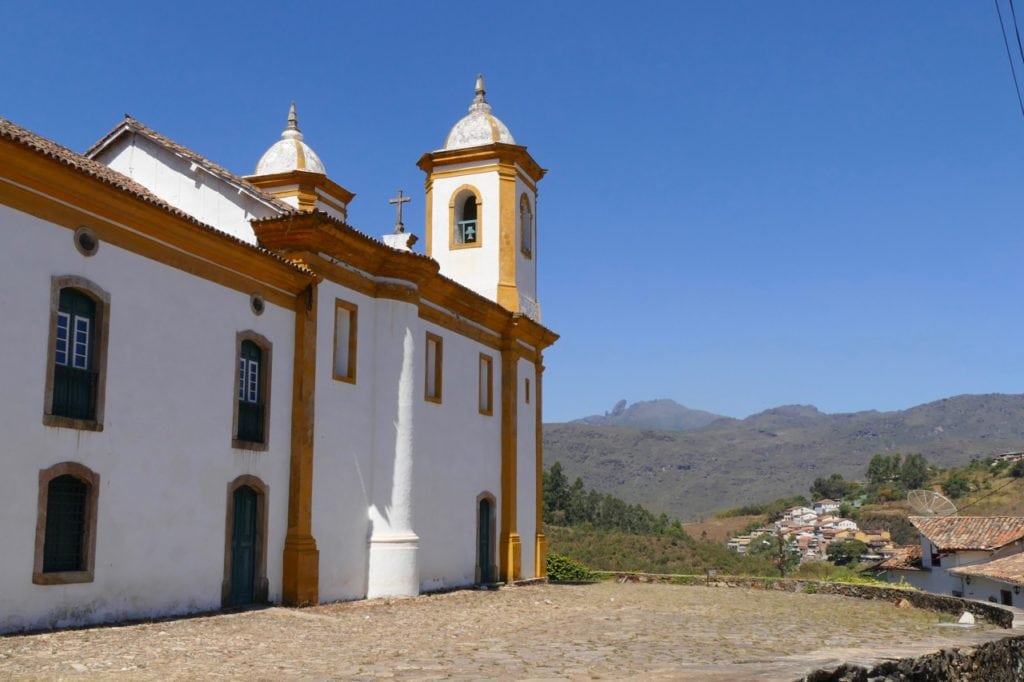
(990, 613)
(998, 661)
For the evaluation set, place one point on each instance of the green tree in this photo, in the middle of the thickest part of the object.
(556, 494)
(576, 511)
(883, 469)
(956, 485)
(1017, 470)
(846, 551)
(834, 487)
(914, 472)
(776, 548)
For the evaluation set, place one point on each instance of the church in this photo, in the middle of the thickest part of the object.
(217, 392)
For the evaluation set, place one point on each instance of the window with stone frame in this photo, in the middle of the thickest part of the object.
(66, 525)
(76, 355)
(346, 318)
(465, 213)
(525, 227)
(252, 392)
(433, 368)
(486, 385)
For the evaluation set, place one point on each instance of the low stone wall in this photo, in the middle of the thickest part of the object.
(990, 613)
(998, 661)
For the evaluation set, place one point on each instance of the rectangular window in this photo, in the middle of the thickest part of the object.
(486, 387)
(345, 329)
(81, 356)
(252, 384)
(63, 323)
(434, 364)
(526, 391)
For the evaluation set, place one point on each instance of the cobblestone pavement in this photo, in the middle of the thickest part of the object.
(539, 632)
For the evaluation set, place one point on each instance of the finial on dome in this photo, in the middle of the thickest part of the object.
(479, 126)
(291, 131)
(290, 152)
(480, 92)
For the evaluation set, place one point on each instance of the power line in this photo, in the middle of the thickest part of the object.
(990, 493)
(1016, 30)
(1009, 55)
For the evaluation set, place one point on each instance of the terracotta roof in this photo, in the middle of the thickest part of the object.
(132, 125)
(1008, 569)
(108, 176)
(951, 533)
(906, 558)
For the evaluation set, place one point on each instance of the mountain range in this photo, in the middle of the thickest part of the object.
(704, 463)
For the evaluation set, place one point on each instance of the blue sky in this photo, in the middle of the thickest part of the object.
(748, 204)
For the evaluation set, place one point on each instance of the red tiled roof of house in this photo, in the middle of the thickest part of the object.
(951, 533)
(906, 558)
(1008, 569)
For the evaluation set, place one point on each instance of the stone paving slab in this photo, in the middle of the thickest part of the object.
(544, 632)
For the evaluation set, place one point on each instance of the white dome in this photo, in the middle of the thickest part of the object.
(290, 152)
(479, 126)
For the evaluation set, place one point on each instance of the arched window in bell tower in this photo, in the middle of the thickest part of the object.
(465, 231)
(465, 217)
(525, 226)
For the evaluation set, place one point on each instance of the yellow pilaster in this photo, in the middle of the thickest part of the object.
(508, 291)
(301, 579)
(430, 215)
(509, 546)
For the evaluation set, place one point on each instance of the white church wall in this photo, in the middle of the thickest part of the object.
(174, 179)
(458, 459)
(526, 465)
(164, 456)
(344, 444)
(473, 267)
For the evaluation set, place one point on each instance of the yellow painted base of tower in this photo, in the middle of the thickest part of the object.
(511, 558)
(301, 580)
(540, 553)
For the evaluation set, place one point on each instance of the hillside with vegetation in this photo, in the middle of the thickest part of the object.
(605, 533)
(692, 474)
(879, 500)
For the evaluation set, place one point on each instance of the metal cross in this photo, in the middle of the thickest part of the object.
(398, 201)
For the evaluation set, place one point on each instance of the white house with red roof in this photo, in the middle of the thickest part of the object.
(950, 543)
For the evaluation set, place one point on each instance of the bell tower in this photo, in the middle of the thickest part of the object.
(481, 203)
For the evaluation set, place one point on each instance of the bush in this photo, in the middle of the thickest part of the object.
(563, 569)
(1017, 471)
(956, 485)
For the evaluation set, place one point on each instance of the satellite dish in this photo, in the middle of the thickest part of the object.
(930, 503)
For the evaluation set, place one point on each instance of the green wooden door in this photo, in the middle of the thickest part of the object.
(485, 543)
(243, 547)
